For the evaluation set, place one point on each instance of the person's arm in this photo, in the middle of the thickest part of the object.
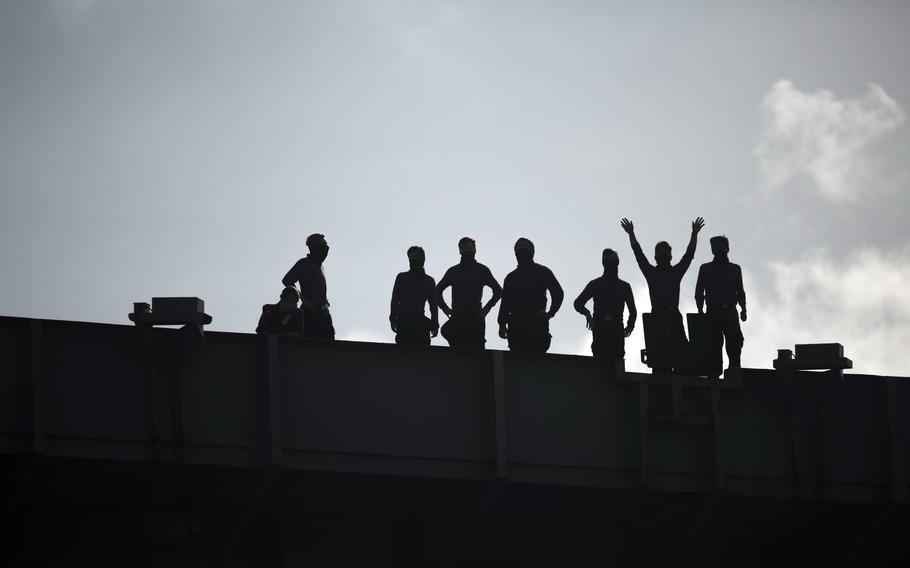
(740, 293)
(687, 257)
(633, 314)
(497, 292)
(640, 257)
(557, 295)
(440, 288)
(700, 290)
(503, 317)
(434, 308)
(293, 274)
(580, 302)
(395, 304)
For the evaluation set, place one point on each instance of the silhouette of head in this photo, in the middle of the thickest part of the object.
(319, 247)
(720, 246)
(663, 253)
(289, 297)
(610, 261)
(416, 258)
(467, 248)
(524, 251)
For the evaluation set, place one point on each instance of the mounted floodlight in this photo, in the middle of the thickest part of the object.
(813, 356)
(171, 311)
(172, 349)
(813, 376)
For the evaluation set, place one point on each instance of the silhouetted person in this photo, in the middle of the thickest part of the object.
(720, 286)
(283, 318)
(413, 289)
(523, 316)
(308, 271)
(610, 296)
(663, 282)
(466, 326)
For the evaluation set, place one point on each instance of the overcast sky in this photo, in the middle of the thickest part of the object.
(188, 148)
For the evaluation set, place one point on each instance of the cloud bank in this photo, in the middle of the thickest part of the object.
(819, 140)
(861, 301)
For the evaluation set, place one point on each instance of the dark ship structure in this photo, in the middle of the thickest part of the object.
(145, 445)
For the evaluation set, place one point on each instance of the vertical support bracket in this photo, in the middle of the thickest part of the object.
(179, 414)
(36, 353)
(147, 348)
(499, 416)
(677, 402)
(274, 407)
(803, 489)
(808, 459)
(155, 418)
(898, 484)
(645, 433)
(720, 475)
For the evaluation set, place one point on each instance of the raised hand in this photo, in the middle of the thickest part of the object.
(697, 225)
(627, 225)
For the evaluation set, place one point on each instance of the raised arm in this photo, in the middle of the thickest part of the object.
(686, 260)
(633, 313)
(440, 288)
(494, 286)
(640, 257)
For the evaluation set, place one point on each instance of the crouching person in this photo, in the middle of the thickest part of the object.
(283, 318)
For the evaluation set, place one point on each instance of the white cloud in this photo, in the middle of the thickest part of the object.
(820, 139)
(861, 300)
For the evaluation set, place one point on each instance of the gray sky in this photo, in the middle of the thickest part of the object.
(188, 147)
